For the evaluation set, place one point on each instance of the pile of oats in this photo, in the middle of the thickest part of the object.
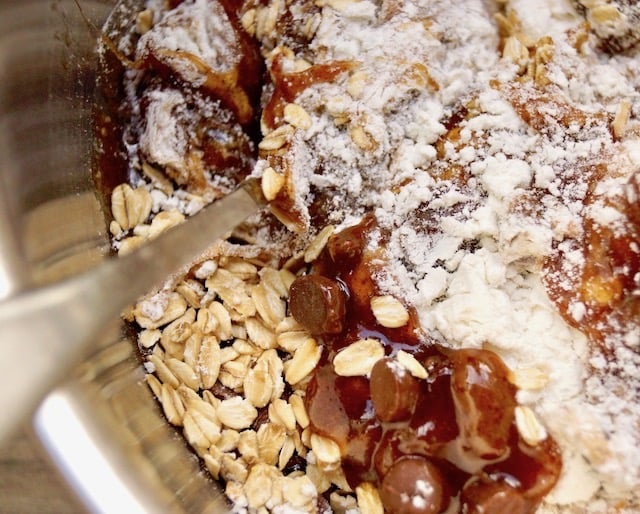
(230, 367)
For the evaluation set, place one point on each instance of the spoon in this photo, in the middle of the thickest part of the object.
(45, 330)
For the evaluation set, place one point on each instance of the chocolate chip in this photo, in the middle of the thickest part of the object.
(485, 497)
(413, 485)
(394, 391)
(324, 406)
(484, 400)
(347, 245)
(318, 303)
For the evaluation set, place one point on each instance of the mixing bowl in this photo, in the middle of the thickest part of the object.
(101, 427)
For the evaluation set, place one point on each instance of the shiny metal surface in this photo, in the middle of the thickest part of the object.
(102, 427)
(64, 318)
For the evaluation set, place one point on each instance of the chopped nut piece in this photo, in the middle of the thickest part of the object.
(389, 311)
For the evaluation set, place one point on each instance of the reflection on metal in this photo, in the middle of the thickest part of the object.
(50, 226)
(114, 445)
(63, 319)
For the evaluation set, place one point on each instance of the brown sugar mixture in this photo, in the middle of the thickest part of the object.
(438, 312)
(442, 430)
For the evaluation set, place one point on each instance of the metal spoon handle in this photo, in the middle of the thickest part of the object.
(43, 332)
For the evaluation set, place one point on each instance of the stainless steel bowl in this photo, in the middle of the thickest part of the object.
(102, 427)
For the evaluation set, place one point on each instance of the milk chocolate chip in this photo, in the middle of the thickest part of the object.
(484, 401)
(483, 497)
(413, 485)
(394, 391)
(318, 303)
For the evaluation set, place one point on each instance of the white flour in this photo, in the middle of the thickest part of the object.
(460, 252)
(473, 214)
